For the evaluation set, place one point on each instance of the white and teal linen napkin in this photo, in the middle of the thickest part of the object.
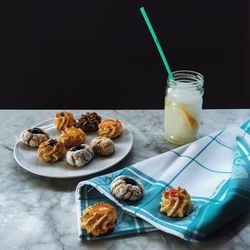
(214, 170)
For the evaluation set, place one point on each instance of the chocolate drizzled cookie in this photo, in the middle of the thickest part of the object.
(89, 122)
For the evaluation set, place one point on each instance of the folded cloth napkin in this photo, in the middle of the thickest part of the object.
(214, 170)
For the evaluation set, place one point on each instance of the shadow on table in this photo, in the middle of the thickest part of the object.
(69, 184)
(222, 237)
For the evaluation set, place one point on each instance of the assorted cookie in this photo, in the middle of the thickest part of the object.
(110, 128)
(64, 120)
(89, 122)
(126, 189)
(72, 137)
(33, 137)
(98, 219)
(103, 146)
(71, 140)
(52, 150)
(80, 155)
(176, 202)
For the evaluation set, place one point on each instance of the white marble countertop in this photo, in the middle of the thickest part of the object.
(39, 213)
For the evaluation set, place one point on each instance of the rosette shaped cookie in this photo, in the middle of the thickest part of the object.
(64, 120)
(125, 188)
(176, 202)
(89, 122)
(51, 150)
(110, 128)
(103, 146)
(33, 137)
(98, 219)
(72, 137)
(80, 155)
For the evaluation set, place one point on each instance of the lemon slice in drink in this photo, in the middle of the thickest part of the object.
(180, 125)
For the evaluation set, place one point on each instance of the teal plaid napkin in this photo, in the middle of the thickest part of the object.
(214, 169)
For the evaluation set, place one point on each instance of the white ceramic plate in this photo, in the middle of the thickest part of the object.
(28, 158)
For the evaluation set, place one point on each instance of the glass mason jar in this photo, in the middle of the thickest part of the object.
(183, 105)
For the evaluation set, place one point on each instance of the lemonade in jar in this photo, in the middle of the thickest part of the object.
(183, 105)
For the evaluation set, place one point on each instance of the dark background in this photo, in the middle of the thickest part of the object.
(90, 54)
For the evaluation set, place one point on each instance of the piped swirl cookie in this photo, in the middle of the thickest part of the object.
(51, 150)
(64, 120)
(98, 219)
(176, 202)
(33, 137)
(72, 137)
(110, 128)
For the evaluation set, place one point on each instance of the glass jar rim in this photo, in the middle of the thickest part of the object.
(186, 79)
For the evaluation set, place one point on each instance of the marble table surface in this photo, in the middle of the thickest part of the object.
(39, 213)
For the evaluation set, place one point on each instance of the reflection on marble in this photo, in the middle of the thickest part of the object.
(39, 213)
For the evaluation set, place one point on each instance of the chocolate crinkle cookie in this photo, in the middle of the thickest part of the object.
(33, 137)
(80, 155)
(89, 122)
(126, 188)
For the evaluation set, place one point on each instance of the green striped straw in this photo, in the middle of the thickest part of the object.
(157, 43)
